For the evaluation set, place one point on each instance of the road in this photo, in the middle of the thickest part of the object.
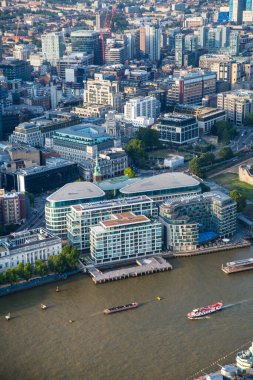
(37, 215)
(231, 164)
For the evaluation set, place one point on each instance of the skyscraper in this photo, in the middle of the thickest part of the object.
(236, 8)
(150, 41)
(53, 47)
(249, 5)
(234, 43)
(179, 49)
(87, 41)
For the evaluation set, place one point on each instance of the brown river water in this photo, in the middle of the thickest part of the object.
(155, 341)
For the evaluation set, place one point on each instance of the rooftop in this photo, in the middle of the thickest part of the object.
(76, 190)
(126, 218)
(160, 182)
(84, 130)
(211, 195)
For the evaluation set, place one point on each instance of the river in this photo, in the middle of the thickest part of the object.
(155, 341)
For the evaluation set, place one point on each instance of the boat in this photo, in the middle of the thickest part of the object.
(244, 359)
(117, 309)
(43, 307)
(57, 289)
(158, 298)
(237, 266)
(8, 317)
(203, 311)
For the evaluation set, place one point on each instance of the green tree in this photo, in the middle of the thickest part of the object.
(195, 167)
(226, 153)
(41, 267)
(28, 271)
(135, 150)
(206, 159)
(20, 270)
(129, 172)
(224, 130)
(249, 120)
(149, 137)
(2, 278)
(11, 275)
(239, 198)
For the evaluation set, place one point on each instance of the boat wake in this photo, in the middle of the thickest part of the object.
(235, 304)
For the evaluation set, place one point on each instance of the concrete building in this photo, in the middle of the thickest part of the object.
(115, 51)
(150, 41)
(12, 207)
(177, 128)
(163, 186)
(59, 203)
(192, 221)
(148, 107)
(246, 174)
(80, 142)
(102, 91)
(27, 247)
(53, 47)
(236, 8)
(87, 41)
(189, 87)
(28, 134)
(83, 216)
(125, 236)
(208, 117)
(237, 105)
(179, 49)
(234, 43)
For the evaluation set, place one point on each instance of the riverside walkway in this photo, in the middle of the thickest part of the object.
(143, 267)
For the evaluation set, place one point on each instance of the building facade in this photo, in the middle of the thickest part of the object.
(12, 207)
(125, 236)
(53, 47)
(192, 221)
(27, 247)
(237, 105)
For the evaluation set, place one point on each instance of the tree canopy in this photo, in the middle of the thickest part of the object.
(129, 172)
(224, 130)
(149, 137)
(226, 153)
(239, 198)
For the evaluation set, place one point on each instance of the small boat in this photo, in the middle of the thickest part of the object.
(8, 317)
(57, 289)
(43, 307)
(71, 321)
(117, 309)
(158, 298)
(237, 266)
(203, 311)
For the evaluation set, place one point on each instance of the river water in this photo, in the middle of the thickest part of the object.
(155, 341)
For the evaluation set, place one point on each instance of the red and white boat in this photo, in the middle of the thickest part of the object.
(203, 311)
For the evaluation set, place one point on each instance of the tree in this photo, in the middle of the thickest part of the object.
(41, 267)
(11, 275)
(129, 172)
(28, 271)
(149, 137)
(224, 130)
(195, 167)
(20, 270)
(206, 159)
(135, 150)
(249, 120)
(2, 278)
(226, 153)
(239, 198)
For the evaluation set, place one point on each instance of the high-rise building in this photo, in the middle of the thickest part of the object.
(87, 41)
(249, 5)
(179, 49)
(237, 104)
(102, 91)
(191, 42)
(193, 221)
(125, 236)
(133, 44)
(236, 8)
(12, 207)
(115, 51)
(53, 47)
(150, 41)
(147, 106)
(16, 69)
(234, 43)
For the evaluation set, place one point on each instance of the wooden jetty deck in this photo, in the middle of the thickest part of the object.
(143, 267)
(214, 248)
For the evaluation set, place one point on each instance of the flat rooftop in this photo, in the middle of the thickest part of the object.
(211, 195)
(161, 182)
(123, 219)
(76, 190)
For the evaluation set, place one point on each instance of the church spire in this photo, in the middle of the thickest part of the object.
(97, 177)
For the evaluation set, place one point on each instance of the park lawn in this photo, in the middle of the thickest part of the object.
(231, 182)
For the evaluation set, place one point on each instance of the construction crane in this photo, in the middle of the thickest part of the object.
(107, 29)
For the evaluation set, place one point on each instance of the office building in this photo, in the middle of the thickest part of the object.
(179, 49)
(163, 186)
(236, 8)
(191, 42)
(88, 42)
(148, 107)
(177, 128)
(12, 207)
(150, 41)
(102, 91)
(234, 43)
(27, 247)
(189, 87)
(81, 141)
(125, 236)
(83, 216)
(193, 221)
(208, 117)
(15, 69)
(115, 51)
(27, 133)
(59, 203)
(237, 105)
(53, 47)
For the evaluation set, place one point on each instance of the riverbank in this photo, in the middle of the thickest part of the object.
(34, 282)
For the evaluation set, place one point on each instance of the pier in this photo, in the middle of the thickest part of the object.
(143, 267)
